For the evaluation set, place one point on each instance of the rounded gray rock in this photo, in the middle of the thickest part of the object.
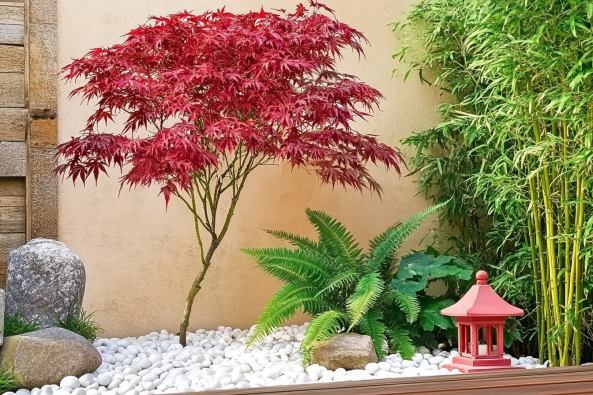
(45, 282)
(47, 356)
(346, 350)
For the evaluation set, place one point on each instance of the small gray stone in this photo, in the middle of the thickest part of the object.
(346, 350)
(45, 282)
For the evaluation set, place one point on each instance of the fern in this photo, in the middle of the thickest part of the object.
(303, 243)
(386, 244)
(371, 324)
(334, 237)
(324, 326)
(283, 306)
(333, 281)
(407, 303)
(401, 343)
(367, 292)
(339, 281)
(291, 265)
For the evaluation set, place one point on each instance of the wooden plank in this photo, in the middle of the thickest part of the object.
(12, 220)
(552, 381)
(12, 201)
(12, 88)
(12, 59)
(8, 242)
(13, 159)
(44, 133)
(12, 123)
(13, 186)
(12, 14)
(12, 34)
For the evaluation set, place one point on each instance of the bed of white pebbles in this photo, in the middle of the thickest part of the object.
(157, 363)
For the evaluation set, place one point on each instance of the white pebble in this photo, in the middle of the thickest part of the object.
(70, 382)
(104, 379)
(372, 368)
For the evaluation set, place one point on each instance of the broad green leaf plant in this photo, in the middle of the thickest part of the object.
(348, 290)
(515, 149)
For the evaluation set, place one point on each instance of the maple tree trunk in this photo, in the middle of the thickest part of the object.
(195, 288)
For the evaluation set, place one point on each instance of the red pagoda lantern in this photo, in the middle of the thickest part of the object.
(480, 318)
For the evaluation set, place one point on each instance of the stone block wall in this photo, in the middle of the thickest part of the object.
(28, 123)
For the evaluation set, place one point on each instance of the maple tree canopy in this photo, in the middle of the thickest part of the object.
(203, 85)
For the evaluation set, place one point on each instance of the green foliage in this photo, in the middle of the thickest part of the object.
(82, 324)
(7, 382)
(513, 153)
(344, 288)
(16, 324)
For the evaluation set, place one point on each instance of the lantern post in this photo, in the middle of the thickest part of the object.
(480, 316)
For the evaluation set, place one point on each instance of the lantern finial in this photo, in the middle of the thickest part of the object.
(482, 277)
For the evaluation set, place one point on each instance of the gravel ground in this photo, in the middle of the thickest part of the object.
(157, 363)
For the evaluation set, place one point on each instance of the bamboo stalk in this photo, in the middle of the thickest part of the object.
(540, 252)
(550, 244)
(541, 332)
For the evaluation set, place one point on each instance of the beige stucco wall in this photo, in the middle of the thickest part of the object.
(140, 259)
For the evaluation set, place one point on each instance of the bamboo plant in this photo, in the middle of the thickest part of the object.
(517, 130)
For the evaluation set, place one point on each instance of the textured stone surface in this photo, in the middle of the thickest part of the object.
(43, 66)
(12, 89)
(12, 121)
(46, 280)
(2, 307)
(44, 194)
(43, 11)
(47, 356)
(346, 350)
(12, 59)
(13, 159)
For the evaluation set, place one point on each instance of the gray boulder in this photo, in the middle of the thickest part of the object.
(2, 309)
(47, 356)
(45, 281)
(345, 350)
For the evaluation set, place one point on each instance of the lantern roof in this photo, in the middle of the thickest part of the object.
(482, 301)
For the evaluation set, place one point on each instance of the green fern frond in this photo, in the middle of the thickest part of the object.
(291, 265)
(389, 242)
(324, 326)
(401, 343)
(372, 325)
(296, 240)
(283, 306)
(409, 304)
(334, 237)
(367, 292)
(339, 281)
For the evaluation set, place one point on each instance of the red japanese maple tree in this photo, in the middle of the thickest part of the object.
(209, 98)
